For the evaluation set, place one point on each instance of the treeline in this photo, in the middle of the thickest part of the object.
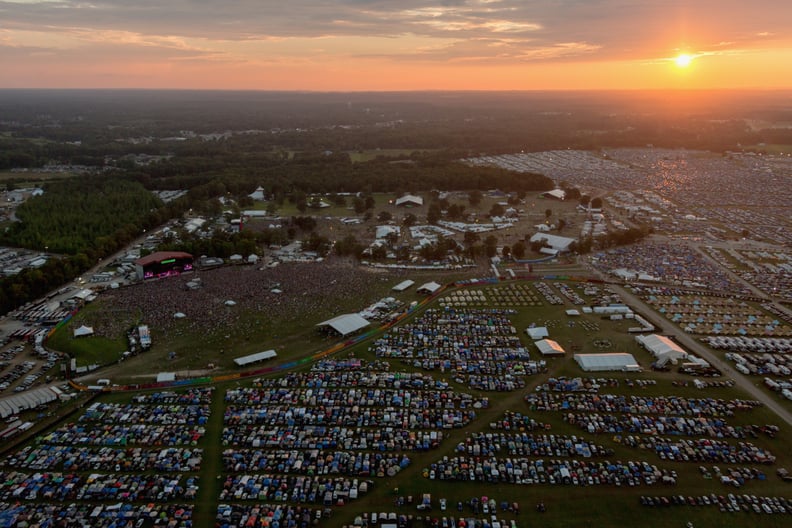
(336, 173)
(81, 214)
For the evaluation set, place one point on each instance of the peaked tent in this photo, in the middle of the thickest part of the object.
(429, 287)
(537, 332)
(346, 324)
(548, 347)
(83, 331)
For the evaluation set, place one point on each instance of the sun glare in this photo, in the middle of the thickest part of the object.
(683, 60)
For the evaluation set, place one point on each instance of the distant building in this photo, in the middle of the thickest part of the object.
(618, 361)
(409, 200)
(558, 194)
(557, 243)
(258, 194)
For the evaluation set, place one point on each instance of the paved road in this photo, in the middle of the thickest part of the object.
(689, 342)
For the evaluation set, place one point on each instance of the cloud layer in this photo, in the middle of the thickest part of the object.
(440, 32)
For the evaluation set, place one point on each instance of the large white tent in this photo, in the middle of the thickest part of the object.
(253, 358)
(661, 346)
(537, 332)
(346, 324)
(403, 285)
(558, 243)
(409, 200)
(548, 347)
(610, 361)
(429, 287)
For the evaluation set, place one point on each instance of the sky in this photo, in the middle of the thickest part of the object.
(395, 45)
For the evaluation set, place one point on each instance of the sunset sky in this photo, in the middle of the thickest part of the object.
(352, 45)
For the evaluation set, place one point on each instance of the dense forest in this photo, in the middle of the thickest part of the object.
(334, 173)
(81, 214)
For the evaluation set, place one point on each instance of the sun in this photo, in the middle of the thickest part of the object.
(683, 60)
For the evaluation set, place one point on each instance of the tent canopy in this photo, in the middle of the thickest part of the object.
(253, 358)
(548, 347)
(612, 361)
(346, 324)
(429, 287)
(537, 332)
(83, 331)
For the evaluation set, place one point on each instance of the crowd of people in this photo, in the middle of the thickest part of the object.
(285, 292)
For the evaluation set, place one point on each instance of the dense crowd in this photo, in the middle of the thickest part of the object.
(288, 291)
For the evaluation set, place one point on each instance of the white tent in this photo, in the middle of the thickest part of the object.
(537, 332)
(403, 285)
(611, 361)
(253, 358)
(429, 287)
(230, 302)
(346, 324)
(661, 346)
(258, 194)
(558, 243)
(409, 200)
(548, 347)
(83, 331)
(166, 376)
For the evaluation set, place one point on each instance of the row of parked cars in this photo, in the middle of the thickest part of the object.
(730, 503)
